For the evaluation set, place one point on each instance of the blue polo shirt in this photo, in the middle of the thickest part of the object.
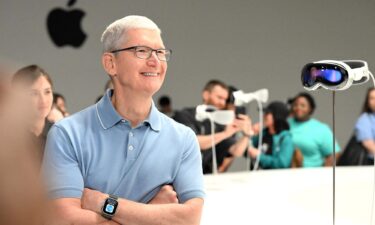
(365, 128)
(98, 149)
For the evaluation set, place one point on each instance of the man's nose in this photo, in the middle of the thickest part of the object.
(153, 60)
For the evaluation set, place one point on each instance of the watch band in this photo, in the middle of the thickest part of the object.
(113, 197)
(108, 217)
(110, 198)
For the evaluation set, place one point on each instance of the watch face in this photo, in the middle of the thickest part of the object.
(109, 209)
(110, 206)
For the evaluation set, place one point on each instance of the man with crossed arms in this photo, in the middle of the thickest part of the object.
(105, 163)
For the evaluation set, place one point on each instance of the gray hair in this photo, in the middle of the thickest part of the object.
(115, 34)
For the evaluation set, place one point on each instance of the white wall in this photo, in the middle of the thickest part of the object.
(250, 44)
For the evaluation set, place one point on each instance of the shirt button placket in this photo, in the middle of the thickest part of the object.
(131, 144)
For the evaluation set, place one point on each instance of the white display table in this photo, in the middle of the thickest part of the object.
(293, 196)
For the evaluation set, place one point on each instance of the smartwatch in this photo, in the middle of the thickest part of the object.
(109, 207)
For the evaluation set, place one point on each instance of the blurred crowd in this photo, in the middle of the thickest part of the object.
(291, 136)
(158, 162)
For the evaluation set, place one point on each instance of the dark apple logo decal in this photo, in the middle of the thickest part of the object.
(64, 26)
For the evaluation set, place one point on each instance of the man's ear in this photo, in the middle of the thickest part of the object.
(205, 96)
(109, 64)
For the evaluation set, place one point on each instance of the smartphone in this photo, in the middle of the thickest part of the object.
(240, 110)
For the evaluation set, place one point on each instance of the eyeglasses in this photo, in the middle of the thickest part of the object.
(144, 52)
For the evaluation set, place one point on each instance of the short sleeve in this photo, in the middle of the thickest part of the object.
(363, 128)
(326, 137)
(61, 170)
(188, 182)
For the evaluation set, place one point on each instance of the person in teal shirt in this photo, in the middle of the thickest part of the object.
(313, 138)
(277, 144)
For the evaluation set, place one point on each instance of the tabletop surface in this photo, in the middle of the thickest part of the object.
(292, 196)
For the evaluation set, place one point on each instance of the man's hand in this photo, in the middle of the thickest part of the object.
(244, 124)
(93, 200)
(166, 195)
(231, 129)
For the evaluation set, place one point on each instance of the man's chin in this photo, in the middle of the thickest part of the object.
(151, 89)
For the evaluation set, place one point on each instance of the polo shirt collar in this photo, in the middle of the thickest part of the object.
(154, 118)
(108, 116)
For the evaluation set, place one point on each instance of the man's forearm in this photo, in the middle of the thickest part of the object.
(68, 211)
(130, 212)
(329, 160)
(205, 141)
(239, 147)
(133, 213)
(369, 145)
(226, 164)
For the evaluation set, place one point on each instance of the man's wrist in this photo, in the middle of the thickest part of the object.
(246, 134)
(109, 207)
(222, 135)
(100, 203)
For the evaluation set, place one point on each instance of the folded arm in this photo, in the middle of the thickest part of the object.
(129, 212)
(68, 211)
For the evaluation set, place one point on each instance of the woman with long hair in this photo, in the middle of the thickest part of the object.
(365, 125)
(277, 147)
(21, 192)
(33, 87)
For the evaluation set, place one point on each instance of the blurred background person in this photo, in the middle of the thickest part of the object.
(108, 85)
(312, 137)
(59, 103)
(165, 105)
(58, 110)
(277, 144)
(21, 192)
(54, 115)
(34, 87)
(228, 160)
(4, 84)
(216, 93)
(230, 102)
(365, 126)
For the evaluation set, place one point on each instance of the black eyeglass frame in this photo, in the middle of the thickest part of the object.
(167, 56)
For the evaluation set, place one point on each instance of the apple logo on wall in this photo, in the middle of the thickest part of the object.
(64, 26)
